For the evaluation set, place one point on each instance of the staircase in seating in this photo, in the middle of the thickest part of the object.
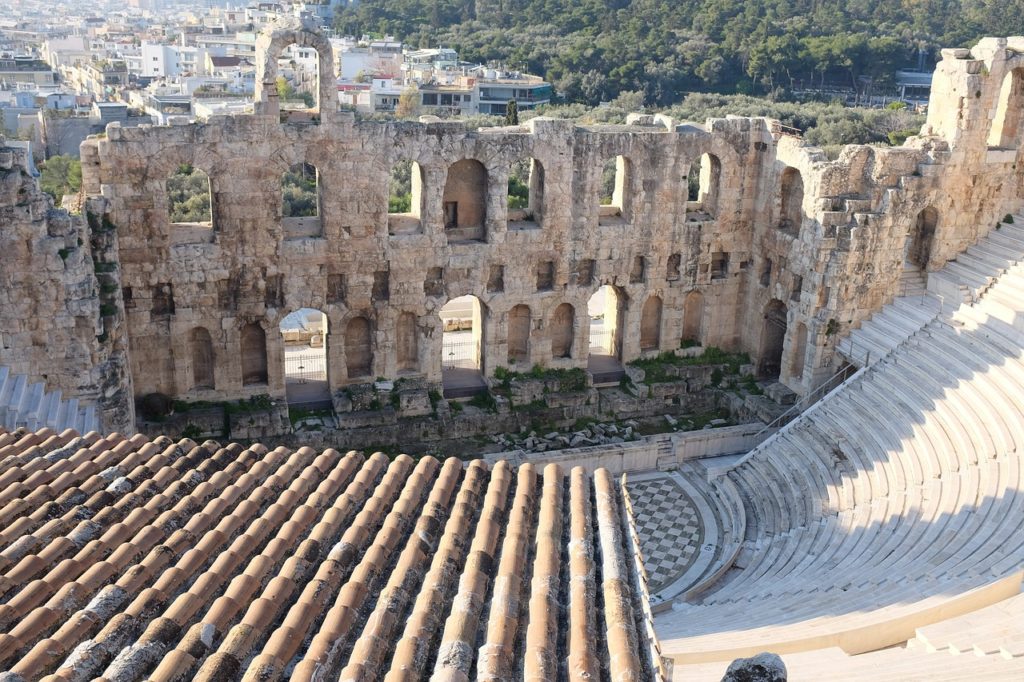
(922, 298)
(28, 404)
(894, 503)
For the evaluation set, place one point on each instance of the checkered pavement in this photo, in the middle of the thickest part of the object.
(669, 527)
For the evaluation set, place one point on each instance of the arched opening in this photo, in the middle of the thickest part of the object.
(188, 198)
(407, 343)
(693, 319)
(791, 204)
(605, 344)
(358, 348)
(1005, 130)
(615, 191)
(525, 194)
(254, 354)
(650, 324)
(563, 331)
(465, 201)
(202, 359)
(702, 185)
(304, 333)
(773, 338)
(799, 351)
(298, 79)
(405, 198)
(918, 246)
(462, 344)
(519, 335)
(300, 201)
(294, 74)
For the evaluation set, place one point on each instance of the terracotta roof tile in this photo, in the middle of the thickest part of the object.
(131, 559)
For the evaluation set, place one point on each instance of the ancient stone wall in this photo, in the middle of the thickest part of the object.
(53, 324)
(780, 254)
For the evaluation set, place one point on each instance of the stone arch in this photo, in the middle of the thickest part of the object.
(271, 43)
(461, 350)
(407, 343)
(519, 323)
(526, 194)
(773, 339)
(464, 201)
(791, 210)
(563, 325)
(605, 308)
(615, 190)
(203, 359)
(1006, 126)
(358, 347)
(300, 201)
(405, 198)
(305, 340)
(799, 351)
(650, 324)
(703, 184)
(253, 346)
(189, 197)
(918, 246)
(693, 317)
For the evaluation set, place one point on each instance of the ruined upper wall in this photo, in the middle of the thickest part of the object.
(783, 227)
(52, 324)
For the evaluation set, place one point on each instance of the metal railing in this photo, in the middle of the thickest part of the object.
(807, 400)
(601, 340)
(458, 351)
(305, 367)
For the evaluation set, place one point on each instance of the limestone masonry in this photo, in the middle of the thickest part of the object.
(780, 255)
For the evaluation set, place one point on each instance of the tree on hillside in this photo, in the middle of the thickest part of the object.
(512, 113)
(408, 103)
(60, 175)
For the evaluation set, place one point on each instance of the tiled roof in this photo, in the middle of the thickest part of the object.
(129, 559)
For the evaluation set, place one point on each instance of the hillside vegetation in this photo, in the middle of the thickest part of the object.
(594, 50)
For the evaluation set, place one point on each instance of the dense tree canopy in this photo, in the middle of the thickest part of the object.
(188, 196)
(60, 175)
(593, 50)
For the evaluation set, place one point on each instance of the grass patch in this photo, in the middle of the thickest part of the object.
(484, 401)
(657, 370)
(297, 414)
(574, 379)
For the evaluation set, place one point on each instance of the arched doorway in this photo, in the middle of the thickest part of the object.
(462, 344)
(773, 339)
(605, 311)
(918, 247)
(304, 333)
(563, 324)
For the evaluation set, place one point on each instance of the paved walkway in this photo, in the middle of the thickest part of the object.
(669, 526)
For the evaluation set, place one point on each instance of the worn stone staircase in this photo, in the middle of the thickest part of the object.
(922, 298)
(24, 403)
